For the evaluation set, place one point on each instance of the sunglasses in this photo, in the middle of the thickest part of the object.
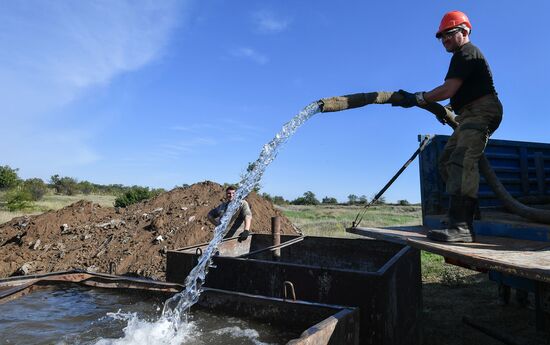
(448, 34)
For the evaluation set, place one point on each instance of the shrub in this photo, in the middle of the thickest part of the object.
(352, 199)
(403, 202)
(329, 200)
(268, 197)
(381, 200)
(307, 199)
(136, 194)
(279, 200)
(36, 187)
(64, 185)
(8, 177)
(86, 187)
(18, 199)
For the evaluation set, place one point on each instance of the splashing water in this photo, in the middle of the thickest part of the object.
(176, 307)
(173, 326)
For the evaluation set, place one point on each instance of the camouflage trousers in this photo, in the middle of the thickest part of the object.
(458, 164)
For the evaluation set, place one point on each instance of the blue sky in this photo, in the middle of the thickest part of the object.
(162, 93)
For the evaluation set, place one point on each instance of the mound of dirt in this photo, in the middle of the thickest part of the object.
(135, 239)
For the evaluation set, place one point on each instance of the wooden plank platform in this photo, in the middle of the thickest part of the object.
(524, 258)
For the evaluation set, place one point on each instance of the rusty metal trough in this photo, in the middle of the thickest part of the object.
(313, 323)
(381, 278)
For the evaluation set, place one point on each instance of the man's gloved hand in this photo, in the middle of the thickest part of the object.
(243, 235)
(321, 105)
(410, 99)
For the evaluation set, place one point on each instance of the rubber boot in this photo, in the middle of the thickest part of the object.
(461, 213)
(471, 212)
(477, 215)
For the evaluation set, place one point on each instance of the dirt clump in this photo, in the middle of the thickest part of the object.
(134, 239)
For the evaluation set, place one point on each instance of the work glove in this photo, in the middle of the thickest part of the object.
(321, 105)
(243, 235)
(410, 99)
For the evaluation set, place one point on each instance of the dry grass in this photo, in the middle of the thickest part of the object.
(55, 202)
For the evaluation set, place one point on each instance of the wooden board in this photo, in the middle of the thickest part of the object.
(529, 259)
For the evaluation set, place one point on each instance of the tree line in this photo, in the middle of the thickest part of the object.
(309, 198)
(20, 194)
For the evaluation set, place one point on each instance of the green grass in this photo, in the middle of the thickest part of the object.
(332, 220)
(54, 202)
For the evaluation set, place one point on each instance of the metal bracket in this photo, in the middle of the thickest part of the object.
(288, 284)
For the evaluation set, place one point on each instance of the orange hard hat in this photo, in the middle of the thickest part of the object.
(451, 20)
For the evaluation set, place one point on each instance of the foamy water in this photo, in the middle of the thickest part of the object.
(173, 327)
(142, 332)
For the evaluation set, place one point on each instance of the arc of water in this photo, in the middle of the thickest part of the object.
(177, 306)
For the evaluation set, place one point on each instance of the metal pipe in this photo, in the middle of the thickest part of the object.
(443, 115)
(276, 234)
(427, 139)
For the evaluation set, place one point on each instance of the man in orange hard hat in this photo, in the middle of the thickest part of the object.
(469, 85)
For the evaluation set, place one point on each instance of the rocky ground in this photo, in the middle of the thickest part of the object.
(90, 237)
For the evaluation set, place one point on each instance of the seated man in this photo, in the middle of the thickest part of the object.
(242, 216)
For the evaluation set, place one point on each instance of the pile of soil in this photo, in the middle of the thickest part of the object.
(87, 236)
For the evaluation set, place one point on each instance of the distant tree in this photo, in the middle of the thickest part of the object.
(158, 191)
(86, 187)
(352, 199)
(363, 199)
(279, 200)
(329, 200)
(403, 202)
(307, 199)
(381, 201)
(115, 189)
(267, 196)
(36, 187)
(64, 185)
(8, 177)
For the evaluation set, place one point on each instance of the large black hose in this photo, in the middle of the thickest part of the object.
(444, 115)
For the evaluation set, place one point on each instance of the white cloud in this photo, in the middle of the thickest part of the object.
(250, 54)
(267, 22)
(52, 52)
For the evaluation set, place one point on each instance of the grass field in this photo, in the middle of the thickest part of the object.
(332, 221)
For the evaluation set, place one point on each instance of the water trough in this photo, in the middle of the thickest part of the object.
(381, 278)
(308, 323)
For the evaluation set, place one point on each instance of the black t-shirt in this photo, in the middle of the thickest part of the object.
(469, 64)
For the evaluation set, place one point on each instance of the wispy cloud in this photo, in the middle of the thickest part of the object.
(267, 22)
(52, 52)
(225, 126)
(186, 146)
(250, 54)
